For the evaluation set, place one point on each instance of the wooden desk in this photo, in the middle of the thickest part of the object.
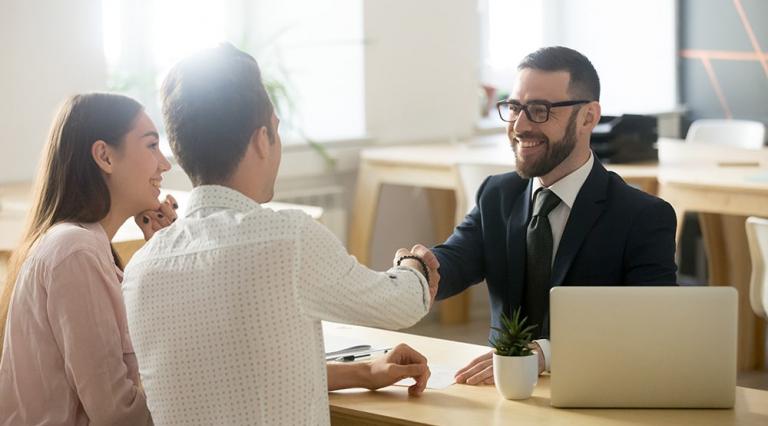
(482, 405)
(435, 168)
(724, 196)
(15, 204)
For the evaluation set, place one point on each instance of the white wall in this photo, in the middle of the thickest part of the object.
(631, 43)
(49, 50)
(421, 69)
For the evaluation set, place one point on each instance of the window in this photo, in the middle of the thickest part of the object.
(513, 28)
(310, 52)
(631, 43)
(633, 46)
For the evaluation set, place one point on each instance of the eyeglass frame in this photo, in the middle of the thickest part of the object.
(547, 104)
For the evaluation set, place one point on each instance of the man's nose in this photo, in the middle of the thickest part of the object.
(522, 124)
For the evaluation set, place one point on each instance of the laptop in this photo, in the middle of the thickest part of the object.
(644, 347)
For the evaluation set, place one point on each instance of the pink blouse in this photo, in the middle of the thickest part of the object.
(67, 358)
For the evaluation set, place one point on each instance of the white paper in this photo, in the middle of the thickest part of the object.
(441, 378)
(337, 343)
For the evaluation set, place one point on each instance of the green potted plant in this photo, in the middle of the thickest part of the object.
(515, 365)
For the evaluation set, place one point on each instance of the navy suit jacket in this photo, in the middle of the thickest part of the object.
(615, 235)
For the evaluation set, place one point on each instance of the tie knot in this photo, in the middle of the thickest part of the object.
(546, 200)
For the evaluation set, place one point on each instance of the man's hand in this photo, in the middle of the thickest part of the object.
(429, 260)
(151, 221)
(480, 370)
(400, 363)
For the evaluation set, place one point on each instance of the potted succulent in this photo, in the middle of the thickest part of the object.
(515, 365)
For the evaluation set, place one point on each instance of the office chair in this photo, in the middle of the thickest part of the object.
(757, 236)
(737, 133)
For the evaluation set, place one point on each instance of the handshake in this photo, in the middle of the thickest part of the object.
(425, 261)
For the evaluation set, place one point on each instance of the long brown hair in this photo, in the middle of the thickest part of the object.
(70, 186)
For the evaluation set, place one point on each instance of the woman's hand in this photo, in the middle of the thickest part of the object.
(151, 221)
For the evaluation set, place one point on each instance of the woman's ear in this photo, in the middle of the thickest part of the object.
(102, 155)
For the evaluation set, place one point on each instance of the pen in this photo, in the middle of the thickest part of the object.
(352, 349)
(352, 357)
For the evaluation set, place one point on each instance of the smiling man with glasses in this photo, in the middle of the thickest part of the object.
(560, 218)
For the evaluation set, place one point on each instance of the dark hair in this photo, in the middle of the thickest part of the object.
(584, 82)
(70, 186)
(213, 101)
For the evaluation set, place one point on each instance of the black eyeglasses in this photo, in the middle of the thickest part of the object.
(536, 111)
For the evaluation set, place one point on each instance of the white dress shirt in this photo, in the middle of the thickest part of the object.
(567, 189)
(224, 309)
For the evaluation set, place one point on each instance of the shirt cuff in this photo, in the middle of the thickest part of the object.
(419, 275)
(545, 352)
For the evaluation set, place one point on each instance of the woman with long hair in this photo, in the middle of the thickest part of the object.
(67, 358)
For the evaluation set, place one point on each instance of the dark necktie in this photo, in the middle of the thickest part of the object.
(539, 260)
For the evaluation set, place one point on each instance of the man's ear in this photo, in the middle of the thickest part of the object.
(592, 116)
(102, 155)
(260, 142)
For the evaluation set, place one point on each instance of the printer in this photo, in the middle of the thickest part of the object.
(625, 139)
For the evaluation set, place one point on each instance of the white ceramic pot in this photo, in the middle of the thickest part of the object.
(515, 376)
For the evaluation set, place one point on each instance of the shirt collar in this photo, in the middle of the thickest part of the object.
(569, 186)
(216, 196)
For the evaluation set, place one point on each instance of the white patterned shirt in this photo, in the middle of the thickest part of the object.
(224, 310)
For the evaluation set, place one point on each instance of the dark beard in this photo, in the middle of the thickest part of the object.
(556, 153)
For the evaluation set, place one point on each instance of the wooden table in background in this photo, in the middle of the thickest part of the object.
(724, 196)
(481, 405)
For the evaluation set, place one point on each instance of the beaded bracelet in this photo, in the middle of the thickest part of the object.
(420, 260)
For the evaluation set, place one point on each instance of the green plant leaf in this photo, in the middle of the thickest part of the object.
(513, 338)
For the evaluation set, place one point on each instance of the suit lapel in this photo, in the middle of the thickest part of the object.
(587, 208)
(516, 228)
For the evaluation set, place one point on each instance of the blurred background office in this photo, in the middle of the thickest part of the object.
(350, 75)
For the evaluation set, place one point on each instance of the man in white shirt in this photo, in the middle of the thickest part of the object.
(561, 218)
(224, 306)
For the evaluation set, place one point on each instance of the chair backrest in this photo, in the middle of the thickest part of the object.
(757, 236)
(737, 133)
(473, 174)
